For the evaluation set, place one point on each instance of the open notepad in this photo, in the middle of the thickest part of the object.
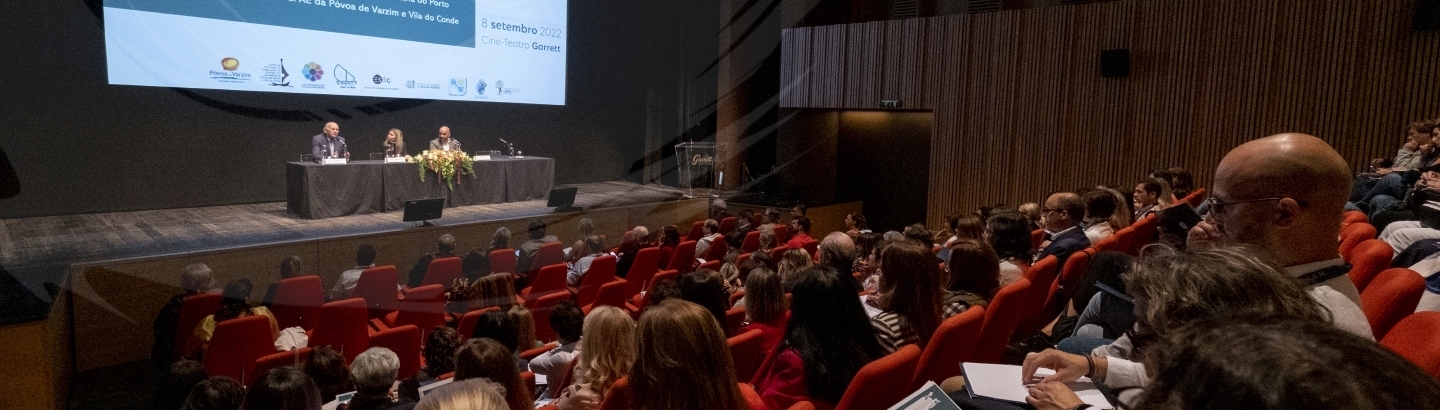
(1003, 382)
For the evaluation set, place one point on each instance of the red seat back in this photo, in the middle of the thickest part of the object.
(646, 263)
(235, 346)
(1042, 275)
(734, 318)
(377, 287)
(549, 280)
(1195, 198)
(502, 260)
(343, 326)
(1414, 339)
(405, 342)
(443, 271)
(1064, 288)
(717, 250)
(467, 322)
(777, 253)
(423, 307)
(549, 254)
(1367, 260)
(1146, 230)
(952, 344)
(697, 231)
(1110, 243)
(684, 258)
(883, 382)
(1391, 297)
(193, 309)
(541, 313)
(1037, 237)
(741, 260)
(748, 349)
(726, 225)
(1352, 235)
(611, 294)
(1001, 317)
(812, 247)
(297, 302)
(601, 272)
(619, 396)
(782, 233)
(712, 265)
(295, 357)
(752, 241)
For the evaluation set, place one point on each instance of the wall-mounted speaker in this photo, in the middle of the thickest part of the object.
(1427, 15)
(1116, 63)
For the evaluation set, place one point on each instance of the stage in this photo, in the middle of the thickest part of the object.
(36, 252)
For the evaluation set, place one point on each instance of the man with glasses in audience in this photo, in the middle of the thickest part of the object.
(1063, 235)
(1285, 194)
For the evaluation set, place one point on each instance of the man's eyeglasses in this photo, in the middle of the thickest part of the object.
(1052, 211)
(1216, 204)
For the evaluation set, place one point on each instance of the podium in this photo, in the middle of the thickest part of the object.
(697, 161)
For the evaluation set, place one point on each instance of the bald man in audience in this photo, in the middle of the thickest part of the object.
(1063, 234)
(1285, 194)
(837, 250)
(639, 239)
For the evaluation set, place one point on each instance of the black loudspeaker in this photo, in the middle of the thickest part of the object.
(1115, 63)
(1427, 15)
(9, 180)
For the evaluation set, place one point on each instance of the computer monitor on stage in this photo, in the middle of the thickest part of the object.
(562, 199)
(424, 210)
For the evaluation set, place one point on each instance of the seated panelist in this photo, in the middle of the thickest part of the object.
(444, 142)
(394, 143)
(329, 143)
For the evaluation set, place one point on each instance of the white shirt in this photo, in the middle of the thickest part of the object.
(1338, 296)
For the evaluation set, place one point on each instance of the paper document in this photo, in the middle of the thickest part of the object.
(1002, 382)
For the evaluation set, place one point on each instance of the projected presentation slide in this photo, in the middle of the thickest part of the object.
(464, 50)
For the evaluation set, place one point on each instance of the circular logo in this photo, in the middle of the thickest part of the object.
(229, 63)
(313, 72)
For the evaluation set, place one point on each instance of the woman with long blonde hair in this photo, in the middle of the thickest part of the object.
(395, 143)
(608, 352)
(684, 363)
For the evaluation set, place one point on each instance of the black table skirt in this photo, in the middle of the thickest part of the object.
(321, 191)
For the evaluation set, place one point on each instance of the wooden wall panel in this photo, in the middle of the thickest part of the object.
(1021, 110)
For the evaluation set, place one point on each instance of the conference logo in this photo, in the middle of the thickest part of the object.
(275, 74)
(229, 63)
(457, 86)
(501, 89)
(377, 79)
(480, 87)
(312, 72)
(343, 78)
(410, 84)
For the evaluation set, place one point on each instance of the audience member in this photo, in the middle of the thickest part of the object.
(609, 337)
(567, 321)
(668, 374)
(973, 276)
(326, 369)
(668, 288)
(826, 342)
(215, 393)
(586, 228)
(703, 287)
(498, 327)
(1284, 364)
(964, 226)
(578, 268)
(483, 357)
(175, 383)
(711, 233)
(1008, 233)
(364, 259)
(798, 210)
(639, 239)
(196, 279)
(1167, 195)
(909, 296)
(473, 394)
(731, 278)
(538, 238)
(524, 327)
(837, 251)
(792, 261)
(765, 306)
(289, 267)
(374, 372)
(743, 226)
(1380, 188)
(766, 238)
(918, 234)
(283, 388)
(445, 248)
(1030, 212)
(669, 240)
(1063, 235)
(800, 232)
(236, 304)
(439, 359)
(1285, 194)
(1147, 197)
(864, 253)
(772, 217)
(1099, 210)
(718, 209)
(1120, 219)
(477, 263)
(1181, 182)
(855, 225)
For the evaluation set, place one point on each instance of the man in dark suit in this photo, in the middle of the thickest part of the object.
(329, 144)
(1063, 236)
(444, 142)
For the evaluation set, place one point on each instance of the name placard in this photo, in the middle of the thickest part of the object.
(333, 161)
(482, 157)
(394, 159)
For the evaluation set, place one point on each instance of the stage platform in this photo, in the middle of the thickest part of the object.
(35, 253)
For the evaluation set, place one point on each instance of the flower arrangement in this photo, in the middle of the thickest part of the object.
(447, 164)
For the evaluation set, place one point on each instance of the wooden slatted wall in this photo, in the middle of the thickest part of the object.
(1021, 109)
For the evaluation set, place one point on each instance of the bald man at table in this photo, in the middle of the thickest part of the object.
(444, 142)
(329, 143)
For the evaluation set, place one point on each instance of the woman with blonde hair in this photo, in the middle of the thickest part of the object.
(670, 371)
(473, 394)
(607, 355)
(792, 261)
(395, 143)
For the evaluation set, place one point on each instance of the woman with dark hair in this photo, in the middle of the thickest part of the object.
(704, 287)
(974, 276)
(439, 359)
(765, 306)
(486, 358)
(1100, 207)
(215, 393)
(175, 384)
(683, 362)
(1181, 182)
(326, 369)
(236, 304)
(669, 239)
(964, 226)
(1008, 233)
(283, 388)
(499, 327)
(909, 297)
(864, 253)
(477, 261)
(289, 267)
(1285, 364)
(827, 340)
(855, 224)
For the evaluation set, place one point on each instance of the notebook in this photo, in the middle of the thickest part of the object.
(1002, 382)
(929, 397)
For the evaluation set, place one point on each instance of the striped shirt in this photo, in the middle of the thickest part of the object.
(892, 331)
